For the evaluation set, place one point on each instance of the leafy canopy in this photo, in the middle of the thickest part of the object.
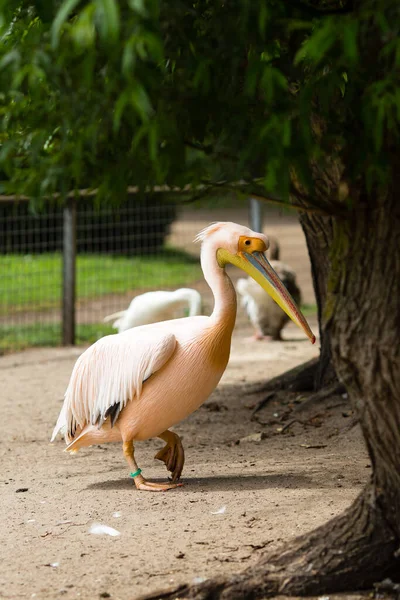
(111, 93)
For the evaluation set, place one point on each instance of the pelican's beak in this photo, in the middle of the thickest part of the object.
(258, 267)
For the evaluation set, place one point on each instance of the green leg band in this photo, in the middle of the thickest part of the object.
(136, 473)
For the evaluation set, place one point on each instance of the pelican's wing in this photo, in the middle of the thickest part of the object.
(109, 374)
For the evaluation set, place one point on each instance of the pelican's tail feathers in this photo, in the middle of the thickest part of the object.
(116, 315)
(61, 424)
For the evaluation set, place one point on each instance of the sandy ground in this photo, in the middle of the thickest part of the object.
(240, 498)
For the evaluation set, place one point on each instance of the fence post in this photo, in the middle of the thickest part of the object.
(69, 272)
(256, 218)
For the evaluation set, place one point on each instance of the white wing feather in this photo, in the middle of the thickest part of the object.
(153, 307)
(110, 372)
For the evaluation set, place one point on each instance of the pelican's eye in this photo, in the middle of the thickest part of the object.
(251, 244)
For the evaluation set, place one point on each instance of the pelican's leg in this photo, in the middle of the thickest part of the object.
(258, 334)
(172, 454)
(140, 481)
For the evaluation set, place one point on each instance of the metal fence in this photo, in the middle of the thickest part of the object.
(63, 269)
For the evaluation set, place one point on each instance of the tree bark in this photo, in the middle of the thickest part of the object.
(318, 232)
(362, 307)
(365, 284)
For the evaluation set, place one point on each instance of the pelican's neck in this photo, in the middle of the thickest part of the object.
(221, 286)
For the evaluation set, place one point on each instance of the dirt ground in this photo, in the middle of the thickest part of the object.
(240, 498)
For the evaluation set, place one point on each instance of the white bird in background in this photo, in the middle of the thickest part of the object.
(266, 316)
(154, 307)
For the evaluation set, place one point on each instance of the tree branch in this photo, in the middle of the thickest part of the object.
(202, 190)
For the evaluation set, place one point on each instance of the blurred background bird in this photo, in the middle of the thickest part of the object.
(267, 318)
(153, 307)
(137, 384)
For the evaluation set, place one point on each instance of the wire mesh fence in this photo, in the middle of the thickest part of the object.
(121, 252)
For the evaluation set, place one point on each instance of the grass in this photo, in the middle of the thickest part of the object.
(309, 310)
(47, 334)
(34, 282)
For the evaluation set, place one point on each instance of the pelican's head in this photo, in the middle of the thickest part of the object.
(244, 248)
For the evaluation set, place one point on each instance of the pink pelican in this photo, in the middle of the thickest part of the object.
(135, 385)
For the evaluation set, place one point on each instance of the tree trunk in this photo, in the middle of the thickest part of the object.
(362, 308)
(318, 231)
(365, 283)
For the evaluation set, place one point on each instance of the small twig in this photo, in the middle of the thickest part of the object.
(259, 546)
(290, 424)
(163, 574)
(261, 404)
(309, 446)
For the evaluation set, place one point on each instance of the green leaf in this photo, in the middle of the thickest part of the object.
(318, 44)
(119, 108)
(63, 13)
(349, 32)
(154, 46)
(108, 19)
(262, 18)
(8, 59)
(139, 6)
(83, 31)
(141, 102)
(129, 57)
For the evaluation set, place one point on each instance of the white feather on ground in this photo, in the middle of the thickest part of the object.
(265, 315)
(153, 307)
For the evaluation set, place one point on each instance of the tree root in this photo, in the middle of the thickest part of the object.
(351, 552)
(326, 392)
(312, 401)
(299, 379)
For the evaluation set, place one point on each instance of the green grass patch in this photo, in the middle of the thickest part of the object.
(309, 310)
(34, 282)
(48, 334)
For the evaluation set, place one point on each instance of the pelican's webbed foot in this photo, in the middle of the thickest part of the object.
(149, 486)
(173, 454)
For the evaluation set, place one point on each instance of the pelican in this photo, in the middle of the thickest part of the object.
(135, 385)
(267, 318)
(156, 306)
